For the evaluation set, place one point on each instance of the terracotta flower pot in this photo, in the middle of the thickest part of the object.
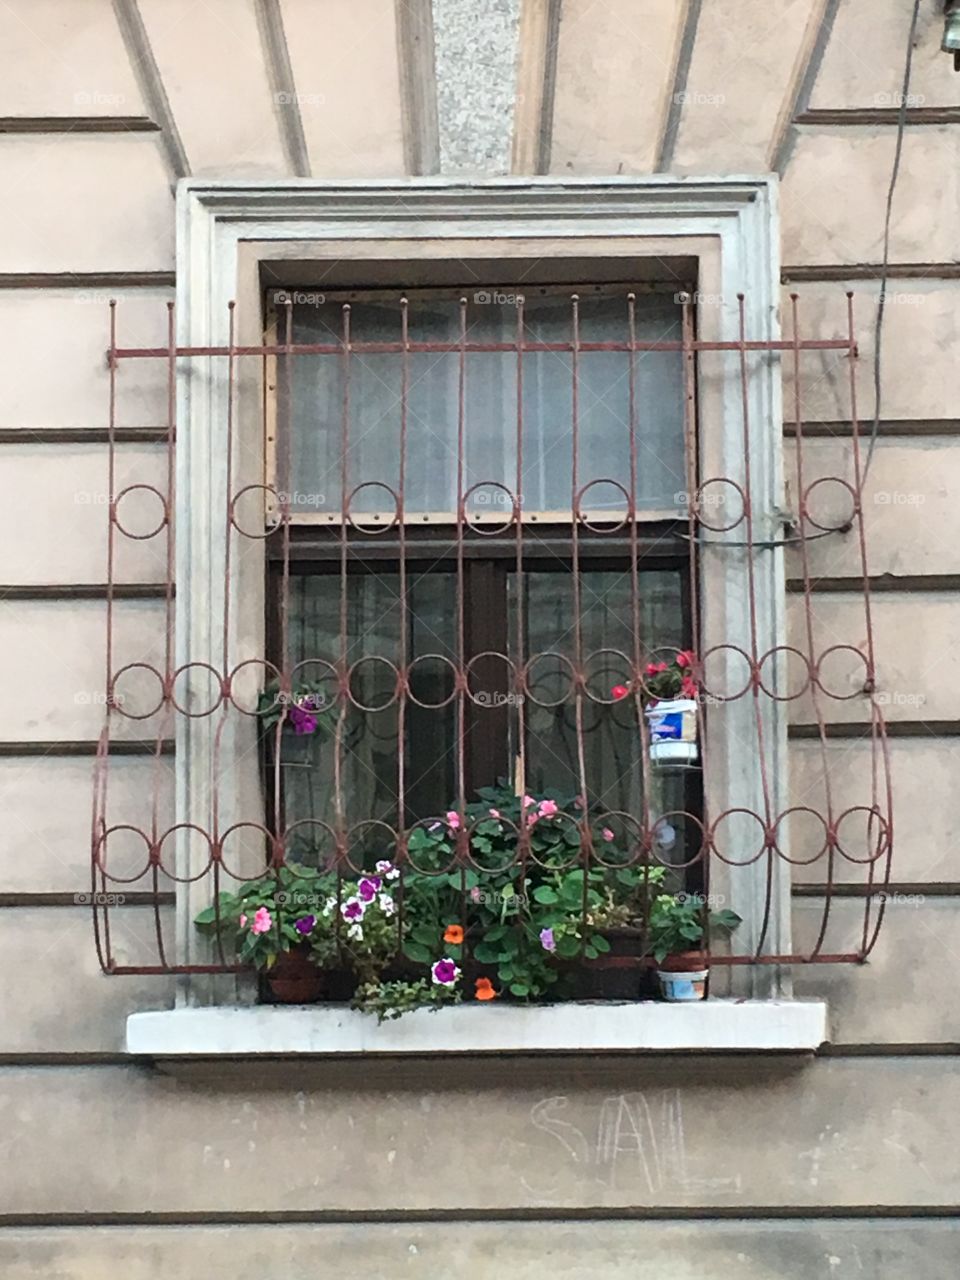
(295, 979)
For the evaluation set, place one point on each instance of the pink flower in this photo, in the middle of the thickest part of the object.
(654, 668)
(547, 808)
(579, 802)
(686, 658)
(453, 820)
(262, 921)
(688, 687)
(607, 834)
(494, 813)
(243, 919)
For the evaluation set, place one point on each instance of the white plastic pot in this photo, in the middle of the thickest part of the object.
(673, 730)
(677, 987)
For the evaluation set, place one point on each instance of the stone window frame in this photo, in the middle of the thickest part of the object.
(229, 230)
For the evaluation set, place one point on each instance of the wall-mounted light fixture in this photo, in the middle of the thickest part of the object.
(951, 31)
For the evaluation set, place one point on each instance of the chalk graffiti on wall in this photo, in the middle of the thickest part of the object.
(634, 1141)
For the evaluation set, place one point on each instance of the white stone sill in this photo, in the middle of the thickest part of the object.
(710, 1026)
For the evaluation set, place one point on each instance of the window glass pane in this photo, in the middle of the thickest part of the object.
(545, 482)
(370, 757)
(611, 735)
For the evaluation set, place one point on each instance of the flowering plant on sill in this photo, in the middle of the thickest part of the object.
(299, 909)
(663, 681)
(520, 917)
(306, 707)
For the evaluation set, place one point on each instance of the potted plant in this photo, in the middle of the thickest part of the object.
(526, 920)
(676, 932)
(669, 693)
(267, 925)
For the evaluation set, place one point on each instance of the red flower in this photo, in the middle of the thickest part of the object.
(654, 668)
(688, 687)
(686, 658)
(619, 691)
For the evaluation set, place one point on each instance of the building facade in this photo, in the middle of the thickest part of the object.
(273, 152)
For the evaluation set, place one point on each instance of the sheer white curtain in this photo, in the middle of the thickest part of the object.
(373, 431)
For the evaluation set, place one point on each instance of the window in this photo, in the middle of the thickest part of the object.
(482, 501)
(488, 569)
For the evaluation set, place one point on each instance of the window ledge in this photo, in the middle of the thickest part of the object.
(713, 1026)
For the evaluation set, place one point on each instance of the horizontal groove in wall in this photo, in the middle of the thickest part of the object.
(943, 1050)
(87, 747)
(81, 435)
(851, 117)
(894, 428)
(84, 591)
(883, 584)
(87, 280)
(922, 888)
(58, 900)
(401, 1217)
(894, 729)
(78, 124)
(827, 272)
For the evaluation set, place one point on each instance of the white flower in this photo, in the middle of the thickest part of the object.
(387, 905)
(387, 870)
(329, 906)
(355, 933)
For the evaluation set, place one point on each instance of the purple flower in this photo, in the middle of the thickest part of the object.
(305, 924)
(445, 972)
(303, 719)
(547, 940)
(369, 887)
(352, 909)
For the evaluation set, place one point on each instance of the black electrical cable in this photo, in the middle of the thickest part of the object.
(881, 306)
(885, 268)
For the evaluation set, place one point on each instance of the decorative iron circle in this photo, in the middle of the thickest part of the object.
(699, 501)
(221, 692)
(626, 679)
(882, 836)
(527, 680)
(435, 657)
(785, 697)
(611, 526)
(369, 660)
(710, 693)
(232, 677)
(488, 697)
(491, 530)
(801, 862)
(854, 504)
(268, 527)
(205, 840)
(747, 813)
(164, 517)
(264, 841)
(818, 672)
(101, 853)
(117, 700)
(375, 529)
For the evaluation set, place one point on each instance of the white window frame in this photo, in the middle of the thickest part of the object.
(225, 228)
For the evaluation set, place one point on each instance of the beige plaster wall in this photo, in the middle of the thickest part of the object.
(628, 88)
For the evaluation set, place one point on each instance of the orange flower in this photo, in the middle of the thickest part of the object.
(485, 989)
(453, 934)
